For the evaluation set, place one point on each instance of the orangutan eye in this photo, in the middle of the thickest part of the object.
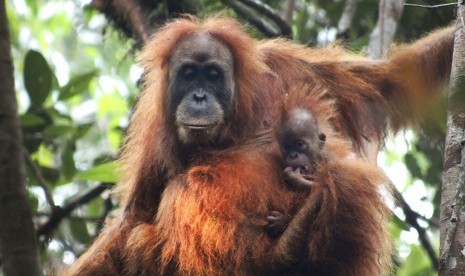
(212, 73)
(300, 145)
(188, 72)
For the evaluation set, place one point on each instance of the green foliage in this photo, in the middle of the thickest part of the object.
(105, 173)
(77, 85)
(79, 231)
(74, 92)
(37, 77)
(412, 165)
(416, 264)
(31, 120)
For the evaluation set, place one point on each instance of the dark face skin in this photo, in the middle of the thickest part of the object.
(300, 140)
(201, 89)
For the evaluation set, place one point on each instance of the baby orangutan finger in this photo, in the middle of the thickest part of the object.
(277, 223)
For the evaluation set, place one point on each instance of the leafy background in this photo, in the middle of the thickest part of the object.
(76, 82)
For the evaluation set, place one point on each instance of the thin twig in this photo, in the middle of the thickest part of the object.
(431, 222)
(58, 214)
(39, 177)
(432, 6)
(86, 218)
(271, 14)
(107, 207)
(411, 218)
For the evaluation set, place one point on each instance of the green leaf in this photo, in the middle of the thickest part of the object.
(58, 116)
(94, 207)
(37, 77)
(57, 131)
(30, 120)
(51, 175)
(77, 85)
(67, 158)
(394, 231)
(33, 6)
(41, 113)
(416, 264)
(413, 166)
(79, 231)
(82, 130)
(103, 173)
(400, 223)
(43, 253)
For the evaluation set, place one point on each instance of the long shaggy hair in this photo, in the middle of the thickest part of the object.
(204, 214)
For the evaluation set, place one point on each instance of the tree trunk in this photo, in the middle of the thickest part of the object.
(288, 12)
(452, 240)
(18, 245)
(345, 22)
(390, 12)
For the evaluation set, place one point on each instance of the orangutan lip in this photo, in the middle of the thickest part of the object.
(199, 127)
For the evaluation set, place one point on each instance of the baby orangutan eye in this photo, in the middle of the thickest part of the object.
(300, 145)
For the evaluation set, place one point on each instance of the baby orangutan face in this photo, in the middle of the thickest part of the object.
(300, 140)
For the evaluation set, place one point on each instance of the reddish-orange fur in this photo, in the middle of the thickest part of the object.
(205, 215)
(370, 95)
(213, 225)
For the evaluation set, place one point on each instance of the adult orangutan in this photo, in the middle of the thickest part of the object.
(202, 169)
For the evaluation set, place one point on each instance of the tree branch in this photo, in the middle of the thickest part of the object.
(432, 6)
(271, 14)
(345, 22)
(40, 179)
(390, 12)
(431, 221)
(107, 207)
(411, 217)
(242, 11)
(73, 217)
(59, 213)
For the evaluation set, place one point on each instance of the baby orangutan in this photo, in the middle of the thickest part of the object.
(301, 145)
